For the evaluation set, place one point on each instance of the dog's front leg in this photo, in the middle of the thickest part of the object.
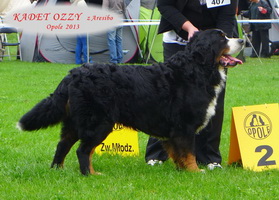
(190, 163)
(185, 161)
(181, 150)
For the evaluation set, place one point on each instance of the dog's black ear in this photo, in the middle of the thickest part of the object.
(202, 53)
(201, 48)
(199, 58)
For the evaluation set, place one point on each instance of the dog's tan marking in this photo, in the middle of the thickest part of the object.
(91, 169)
(191, 163)
(187, 162)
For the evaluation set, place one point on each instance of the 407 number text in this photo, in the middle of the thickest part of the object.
(217, 2)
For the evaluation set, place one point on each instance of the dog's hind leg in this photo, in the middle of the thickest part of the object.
(89, 141)
(181, 150)
(68, 139)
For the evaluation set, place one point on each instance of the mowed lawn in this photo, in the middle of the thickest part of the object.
(25, 157)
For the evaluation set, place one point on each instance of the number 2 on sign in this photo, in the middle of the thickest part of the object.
(269, 151)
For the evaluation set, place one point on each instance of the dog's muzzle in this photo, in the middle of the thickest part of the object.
(235, 46)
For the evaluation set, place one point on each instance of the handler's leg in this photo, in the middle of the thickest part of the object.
(155, 151)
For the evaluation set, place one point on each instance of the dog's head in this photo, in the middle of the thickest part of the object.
(213, 46)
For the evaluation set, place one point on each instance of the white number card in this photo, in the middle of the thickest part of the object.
(217, 3)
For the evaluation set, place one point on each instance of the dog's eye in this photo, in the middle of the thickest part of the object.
(224, 38)
(221, 33)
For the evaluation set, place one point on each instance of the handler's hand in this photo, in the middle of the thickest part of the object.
(260, 8)
(190, 28)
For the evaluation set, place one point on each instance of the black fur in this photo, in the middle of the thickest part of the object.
(166, 100)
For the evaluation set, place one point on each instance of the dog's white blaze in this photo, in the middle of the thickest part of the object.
(235, 45)
(210, 111)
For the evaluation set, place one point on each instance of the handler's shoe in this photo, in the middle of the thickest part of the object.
(212, 166)
(154, 162)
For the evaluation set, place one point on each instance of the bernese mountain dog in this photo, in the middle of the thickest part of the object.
(172, 101)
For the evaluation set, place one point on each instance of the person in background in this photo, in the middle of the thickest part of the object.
(81, 49)
(180, 20)
(81, 44)
(259, 9)
(115, 35)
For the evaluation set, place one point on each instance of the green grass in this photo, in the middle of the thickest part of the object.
(25, 157)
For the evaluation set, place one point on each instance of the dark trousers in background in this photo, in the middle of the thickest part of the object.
(207, 142)
(81, 49)
(260, 38)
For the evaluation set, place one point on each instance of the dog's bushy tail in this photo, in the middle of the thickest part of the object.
(49, 111)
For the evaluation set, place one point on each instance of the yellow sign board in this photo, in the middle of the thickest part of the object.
(255, 137)
(121, 140)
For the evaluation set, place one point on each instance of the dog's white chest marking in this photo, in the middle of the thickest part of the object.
(210, 111)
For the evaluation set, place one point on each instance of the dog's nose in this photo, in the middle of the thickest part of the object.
(240, 41)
